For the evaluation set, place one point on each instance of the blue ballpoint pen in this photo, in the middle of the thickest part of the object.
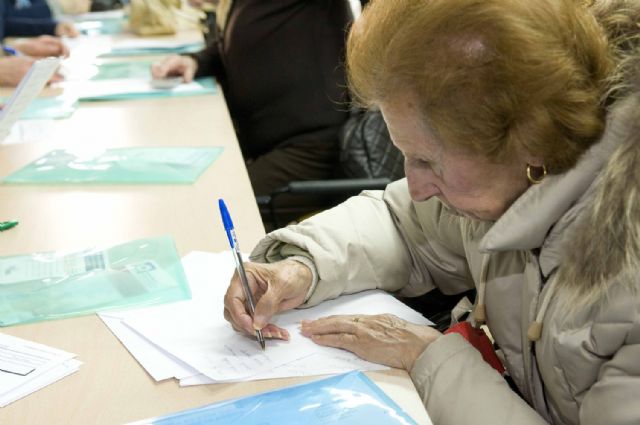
(235, 249)
(10, 50)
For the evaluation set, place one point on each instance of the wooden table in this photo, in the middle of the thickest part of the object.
(111, 387)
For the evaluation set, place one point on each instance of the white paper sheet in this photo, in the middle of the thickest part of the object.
(27, 366)
(49, 377)
(159, 364)
(156, 361)
(30, 131)
(196, 332)
(30, 86)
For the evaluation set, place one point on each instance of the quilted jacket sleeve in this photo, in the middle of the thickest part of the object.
(613, 398)
(458, 387)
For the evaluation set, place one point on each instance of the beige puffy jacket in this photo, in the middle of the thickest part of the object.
(565, 255)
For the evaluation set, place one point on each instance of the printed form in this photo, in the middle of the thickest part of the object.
(27, 366)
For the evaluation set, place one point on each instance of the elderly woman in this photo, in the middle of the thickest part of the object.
(522, 151)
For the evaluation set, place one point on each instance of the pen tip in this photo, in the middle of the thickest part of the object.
(262, 344)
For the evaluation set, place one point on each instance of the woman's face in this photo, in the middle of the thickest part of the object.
(465, 182)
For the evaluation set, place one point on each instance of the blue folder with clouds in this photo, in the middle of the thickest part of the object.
(350, 398)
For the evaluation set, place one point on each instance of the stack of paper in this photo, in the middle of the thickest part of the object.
(26, 367)
(30, 86)
(192, 342)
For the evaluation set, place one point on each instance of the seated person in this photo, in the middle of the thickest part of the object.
(519, 123)
(33, 18)
(278, 63)
(14, 66)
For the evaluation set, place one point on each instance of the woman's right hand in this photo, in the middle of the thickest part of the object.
(276, 287)
(175, 66)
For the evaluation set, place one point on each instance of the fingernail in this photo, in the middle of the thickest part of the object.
(267, 334)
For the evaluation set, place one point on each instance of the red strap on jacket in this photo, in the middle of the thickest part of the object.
(480, 341)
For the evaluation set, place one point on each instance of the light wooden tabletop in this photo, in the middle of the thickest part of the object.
(111, 387)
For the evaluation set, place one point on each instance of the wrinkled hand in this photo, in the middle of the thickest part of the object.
(175, 66)
(43, 46)
(276, 287)
(384, 339)
(66, 29)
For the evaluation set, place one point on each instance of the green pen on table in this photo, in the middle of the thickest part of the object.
(6, 225)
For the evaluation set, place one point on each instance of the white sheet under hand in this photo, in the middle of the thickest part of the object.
(196, 332)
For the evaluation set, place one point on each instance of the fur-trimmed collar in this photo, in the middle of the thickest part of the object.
(604, 240)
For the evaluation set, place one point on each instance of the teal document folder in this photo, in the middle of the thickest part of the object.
(140, 69)
(57, 107)
(55, 285)
(351, 398)
(158, 165)
(107, 88)
(107, 26)
(178, 49)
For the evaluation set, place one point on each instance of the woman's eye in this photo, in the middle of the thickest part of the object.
(420, 162)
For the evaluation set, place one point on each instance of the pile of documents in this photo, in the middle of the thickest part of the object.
(26, 367)
(191, 341)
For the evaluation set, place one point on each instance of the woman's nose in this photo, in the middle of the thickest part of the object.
(422, 185)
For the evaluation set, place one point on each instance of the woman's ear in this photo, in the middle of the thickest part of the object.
(533, 160)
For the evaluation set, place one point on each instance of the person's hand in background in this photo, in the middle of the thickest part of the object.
(276, 287)
(175, 66)
(66, 29)
(43, 46)
(14, 68)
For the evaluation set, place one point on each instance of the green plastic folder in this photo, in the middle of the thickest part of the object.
(130, 69)
(107, 26)
(178, 49)
(106, 88)
(49, 108)
(122, 165)
(54, 285)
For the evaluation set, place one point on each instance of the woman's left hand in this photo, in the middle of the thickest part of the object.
(384, 338)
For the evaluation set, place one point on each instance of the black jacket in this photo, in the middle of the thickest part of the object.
(280, 64)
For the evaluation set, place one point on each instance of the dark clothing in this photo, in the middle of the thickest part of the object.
(31, 21)
(311, 161)
(280, 64)
(3, 6)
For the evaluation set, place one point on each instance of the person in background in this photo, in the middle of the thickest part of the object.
(279, 64)
(30, 18)
(520, 127)
(16, 60)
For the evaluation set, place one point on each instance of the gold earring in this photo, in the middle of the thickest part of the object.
(536, 180)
